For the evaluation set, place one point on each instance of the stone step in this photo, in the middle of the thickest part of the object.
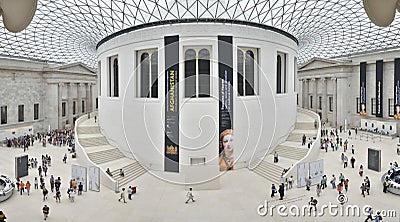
(105, 155)
(304, 125)
(88, 130)
(94, 141)
(270, 171)
(297, 137)
(131, 172)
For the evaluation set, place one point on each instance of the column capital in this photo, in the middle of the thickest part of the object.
(313, 79)
(333, 78)
(61, 84)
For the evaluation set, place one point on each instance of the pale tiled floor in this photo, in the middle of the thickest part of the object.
(241, 193)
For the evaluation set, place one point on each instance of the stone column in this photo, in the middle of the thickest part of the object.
(79, 102)
(315, 99)
(90, 108)
(87, 97)
(305, 94)
(60, 85)
(70, 104)
(334, 81)
(324, 100)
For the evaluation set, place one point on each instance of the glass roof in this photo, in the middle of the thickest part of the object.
(68, 31)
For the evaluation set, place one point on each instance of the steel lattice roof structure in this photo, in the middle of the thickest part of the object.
(68, 31)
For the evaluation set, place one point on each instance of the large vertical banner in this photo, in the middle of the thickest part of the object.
(171, 149)
(316, 171)
(379, 88)
(79, 174)
(302, 174)
(397, 88)
(225, 74)
(363, 89)
(94, 178)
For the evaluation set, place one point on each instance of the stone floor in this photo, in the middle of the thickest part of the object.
(240, 195)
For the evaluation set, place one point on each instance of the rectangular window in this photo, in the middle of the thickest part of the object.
(357, 105)
(73, 107)
(311, 102)
(113, 77)
(36, 111)
(21, 113)
(391, 107)
(373, 106)
(63, 109)
(319, 102)
(281, 73)
(330, 104)
(3, 115)
(247, 71)
(197, 72)
(147, 78)
(83, 106)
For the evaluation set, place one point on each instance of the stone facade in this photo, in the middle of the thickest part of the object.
(331, 87)
(28, 83)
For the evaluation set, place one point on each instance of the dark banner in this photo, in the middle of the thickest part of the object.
(363, 90)
(379, 88)
(397, 88)
(225, 72)
(171, 155)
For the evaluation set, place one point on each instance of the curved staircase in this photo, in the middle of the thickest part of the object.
(104, 155)
(290, 151)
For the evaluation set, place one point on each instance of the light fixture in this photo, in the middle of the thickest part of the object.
(17, 14)
(381, 12)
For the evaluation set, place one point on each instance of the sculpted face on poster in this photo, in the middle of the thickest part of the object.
(225, 69)
(94, 179)
(79, 174)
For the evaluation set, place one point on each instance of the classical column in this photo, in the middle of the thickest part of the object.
(90, 108)
(305, 94)
(87, 98)
(315, 100)
(69, 106)
(324, 99)
(79, 102)
(334, 81)
(60, 105)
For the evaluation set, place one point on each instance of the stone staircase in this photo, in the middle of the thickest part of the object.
(103, 154)
(290, 151)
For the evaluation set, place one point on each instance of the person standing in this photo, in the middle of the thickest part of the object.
(45, 170)
(46, 211)
(21, 187)
(308, 183)
(273, 190)
(58, 196)
(340, 188)
(17, 184)
(362, 188)
(385, 185)
(318, 190)
(346, 185)
(352, 161)
(65, 158)
(352, 149)
(122, 197)
(369, 212)
(130, 193)
(361, 171)
(190, 196)
(2, 216)
(80, 188)
(275, 157)
(52, 183)
(281, 191)
(45, 192)
(313, 202)
(333, 181)
(367, 184)
(345, 160)
(290, 180)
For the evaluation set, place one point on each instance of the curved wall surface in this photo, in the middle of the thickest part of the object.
(135, 122)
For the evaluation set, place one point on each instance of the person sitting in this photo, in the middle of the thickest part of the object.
(108, 172)
(121, 173)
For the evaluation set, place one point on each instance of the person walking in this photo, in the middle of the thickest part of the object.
(28, 187)
(45, 170)
(122, 197)
(52, 183)
(36, 183)
(378, 217)
(21, 187)
(308, 183)
(367, 184)
(361, 171)
(340, 188)
(65, 158)
(369, 212)
(44, 192)
(46, 211)
(290, 180)
(352, 149)
(362, 188)
(58, 196)
(190, 196)
(275, 157)
(345, 161)
(313, 202)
